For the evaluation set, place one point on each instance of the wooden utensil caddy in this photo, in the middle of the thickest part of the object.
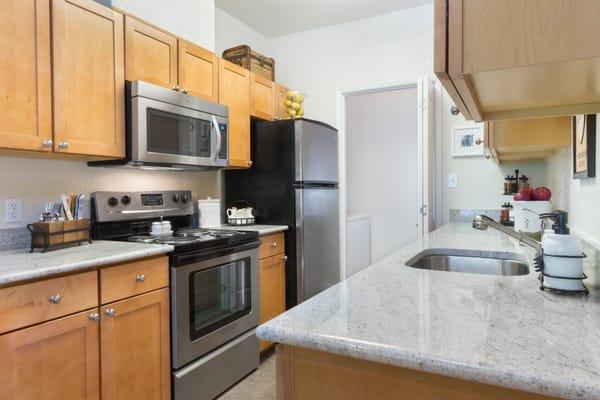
(59, 234)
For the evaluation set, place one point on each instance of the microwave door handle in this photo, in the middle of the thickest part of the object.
(218, 134)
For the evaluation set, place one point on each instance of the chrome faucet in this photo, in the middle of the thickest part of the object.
(482, 222)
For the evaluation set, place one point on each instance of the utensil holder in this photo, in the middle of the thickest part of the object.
(59, 234)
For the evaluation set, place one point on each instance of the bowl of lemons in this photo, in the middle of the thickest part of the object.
(293, 104)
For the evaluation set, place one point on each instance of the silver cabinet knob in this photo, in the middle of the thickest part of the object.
(47, 144)
(140, 278)
(63, 145)
(284, 258)
(184, 91)
(94, 316)
(274, 244)
(175, 88)
(110, 312)
(54, 299)
(250, 163)
(479, 141)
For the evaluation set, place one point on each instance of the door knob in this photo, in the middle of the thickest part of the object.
(110, 312)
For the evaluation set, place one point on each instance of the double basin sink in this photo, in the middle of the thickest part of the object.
(470, 261)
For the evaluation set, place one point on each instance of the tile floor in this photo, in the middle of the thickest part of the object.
(259, 385)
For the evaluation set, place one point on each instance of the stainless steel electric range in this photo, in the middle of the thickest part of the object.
(214, 287)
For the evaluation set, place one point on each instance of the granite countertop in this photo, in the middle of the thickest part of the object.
(20, 265)
(499, 330)
(261, 229)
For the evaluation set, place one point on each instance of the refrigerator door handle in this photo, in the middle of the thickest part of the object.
(299, 246)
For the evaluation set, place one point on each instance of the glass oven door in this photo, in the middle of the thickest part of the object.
(213, 300)
(219, 296)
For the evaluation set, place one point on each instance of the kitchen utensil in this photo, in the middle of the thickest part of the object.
(240, 216)
(527, 217)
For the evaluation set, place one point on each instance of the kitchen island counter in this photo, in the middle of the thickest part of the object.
(496, 330)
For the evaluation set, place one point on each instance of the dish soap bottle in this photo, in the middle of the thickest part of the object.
(563, 256)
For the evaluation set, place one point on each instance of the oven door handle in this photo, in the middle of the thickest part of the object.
(190, 258)
(215, 124)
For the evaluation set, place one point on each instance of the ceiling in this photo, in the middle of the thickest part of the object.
(281, 17)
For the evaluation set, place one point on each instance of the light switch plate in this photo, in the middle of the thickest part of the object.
(13, 209)
(453, 180)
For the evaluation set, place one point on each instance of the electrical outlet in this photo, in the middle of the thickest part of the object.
(13, 209)
(452, 180)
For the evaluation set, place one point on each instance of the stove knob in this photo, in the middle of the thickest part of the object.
(185, 198)
(113, 201)
(125, 199)
(176, 197)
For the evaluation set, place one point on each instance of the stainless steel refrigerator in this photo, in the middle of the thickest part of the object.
(294, 181)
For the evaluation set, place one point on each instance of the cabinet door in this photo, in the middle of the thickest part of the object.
(261, 97)
(272, 290)
(89, 96)
(198, 71)
(57, 360)
(135, 348)
(279, 102)
(26, 117)
(150, 54)
(234, 92)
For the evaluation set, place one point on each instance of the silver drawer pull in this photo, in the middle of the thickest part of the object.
(54, 299)
(110, 312)
(140, 278)
(284, 258)
(94, 316)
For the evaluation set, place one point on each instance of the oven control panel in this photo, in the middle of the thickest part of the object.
(124, 206)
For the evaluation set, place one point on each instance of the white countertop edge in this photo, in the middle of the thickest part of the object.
(261, 229)
(392, 355)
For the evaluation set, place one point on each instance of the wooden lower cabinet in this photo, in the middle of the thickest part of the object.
(135, 348)
(304, 374)
(272, 290)
(56, 360)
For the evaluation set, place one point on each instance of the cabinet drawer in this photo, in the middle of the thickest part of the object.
(133, 278)
(36, 302)
(271, 245)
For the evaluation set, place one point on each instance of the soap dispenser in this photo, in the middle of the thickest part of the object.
(563, 256)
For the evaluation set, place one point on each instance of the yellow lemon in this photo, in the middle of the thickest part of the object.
(288, 103)
(290, 94)
(292, 112)
(298, 97)
(300, 112)
(296, 106)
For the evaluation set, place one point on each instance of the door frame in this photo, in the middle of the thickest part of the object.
(426, 163)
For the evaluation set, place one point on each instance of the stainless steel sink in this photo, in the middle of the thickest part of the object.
(472, 262)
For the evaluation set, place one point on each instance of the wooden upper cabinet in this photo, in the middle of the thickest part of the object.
(526, 139)
(150, 54)
(89, 82)
(54, 360)
(198, 71)
(279, 102)
(261, 97)
(234, 92)
(25, 80)
(135, 348)
(517, 59)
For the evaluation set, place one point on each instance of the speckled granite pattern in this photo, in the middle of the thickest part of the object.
(498, 330)
(20, 265)
(261, 229)
(14, 238)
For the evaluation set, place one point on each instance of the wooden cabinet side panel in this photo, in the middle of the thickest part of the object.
(234, 92)
(25, 79)
(272, 290)
(89, 82)
(150, 54)
(261, 97)
(54, 360)
(198, 71)
(135, 347)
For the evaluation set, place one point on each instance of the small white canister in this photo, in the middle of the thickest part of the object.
(527, 216)
(209, 213)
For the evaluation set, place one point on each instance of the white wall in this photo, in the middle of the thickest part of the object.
(480, 181)
(231, 32)
(381, 166)
(193, 20)
(38, 181)
(391, 48)
(581, 197)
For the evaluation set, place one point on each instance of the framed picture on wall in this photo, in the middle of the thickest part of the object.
(467, 141)
(584, 146)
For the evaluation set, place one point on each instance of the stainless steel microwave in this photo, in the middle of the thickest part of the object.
(167, 129)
